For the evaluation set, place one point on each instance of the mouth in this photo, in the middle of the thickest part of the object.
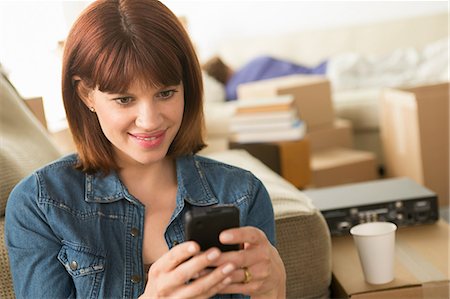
(148, 140)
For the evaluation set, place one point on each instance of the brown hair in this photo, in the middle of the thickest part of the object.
(111, 45)
(217, 69)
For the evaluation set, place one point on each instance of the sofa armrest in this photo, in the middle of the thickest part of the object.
(304, 244)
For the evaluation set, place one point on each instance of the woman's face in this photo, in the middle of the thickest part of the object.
(141, 123)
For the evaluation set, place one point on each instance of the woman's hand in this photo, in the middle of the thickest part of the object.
(167, 277)
(260, 271)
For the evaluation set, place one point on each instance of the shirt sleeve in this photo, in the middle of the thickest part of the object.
(33, 247)
(261, 214)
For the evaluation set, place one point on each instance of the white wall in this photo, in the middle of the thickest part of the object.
(211, 21)
(30, 31)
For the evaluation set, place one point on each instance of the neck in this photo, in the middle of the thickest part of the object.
(156, 176)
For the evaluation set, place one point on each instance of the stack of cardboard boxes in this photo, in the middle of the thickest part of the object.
(332, 160)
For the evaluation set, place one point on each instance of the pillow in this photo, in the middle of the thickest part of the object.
(214, 91)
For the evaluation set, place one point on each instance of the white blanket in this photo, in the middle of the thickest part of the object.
(402, 67)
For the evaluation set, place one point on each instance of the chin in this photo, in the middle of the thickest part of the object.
(150, 158)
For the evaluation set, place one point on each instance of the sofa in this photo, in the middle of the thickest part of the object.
(303, 239)
(362, 60)
(24, 146)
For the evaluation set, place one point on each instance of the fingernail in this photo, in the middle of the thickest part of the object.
(225, 237)
(213, 255)
(191, 248)
(227, 280)
(228, 268)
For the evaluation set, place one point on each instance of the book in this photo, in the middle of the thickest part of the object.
(295, 132)
(252, 105)
(265, 117)
(281, 124)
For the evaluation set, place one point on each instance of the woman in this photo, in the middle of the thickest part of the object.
(107, 222)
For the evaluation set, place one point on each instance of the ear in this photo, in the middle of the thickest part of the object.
(83, 91)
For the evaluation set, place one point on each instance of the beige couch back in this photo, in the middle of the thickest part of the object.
(313, 46)
(24, 146)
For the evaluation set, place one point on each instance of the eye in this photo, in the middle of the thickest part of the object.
(166, 94)
(123, 100)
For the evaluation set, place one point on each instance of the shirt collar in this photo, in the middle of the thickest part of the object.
(104, 189)
(192, 185)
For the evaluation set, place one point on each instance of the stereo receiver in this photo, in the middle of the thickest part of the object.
(398, 200)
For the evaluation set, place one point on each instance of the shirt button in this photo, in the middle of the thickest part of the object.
(135, 279)
(73, 265)
(175, 243)
(135, 232)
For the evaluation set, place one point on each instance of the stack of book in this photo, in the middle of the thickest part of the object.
(266, 120)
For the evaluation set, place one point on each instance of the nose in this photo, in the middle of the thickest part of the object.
(148, 115)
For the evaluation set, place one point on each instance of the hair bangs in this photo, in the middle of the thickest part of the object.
(125, 64)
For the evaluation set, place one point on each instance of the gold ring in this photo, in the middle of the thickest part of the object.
(247, 275)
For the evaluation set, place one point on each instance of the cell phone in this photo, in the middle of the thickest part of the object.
(204, 224)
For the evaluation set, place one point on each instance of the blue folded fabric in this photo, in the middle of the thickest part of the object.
(266, 67)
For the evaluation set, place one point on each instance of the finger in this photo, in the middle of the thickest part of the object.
(262, 278)
(188, 270)
(240, 288)
(247, 257)
(242, 282)
(203, 272)
(175, 256)
(239, 258)
(254, 273)
(247, 234)
(239, 276)
(172, 280)
(199, 263)
(209, 284)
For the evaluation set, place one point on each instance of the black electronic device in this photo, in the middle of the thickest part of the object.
(204, 224)
(398, 200)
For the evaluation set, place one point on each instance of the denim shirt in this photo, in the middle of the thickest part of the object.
(70, 234)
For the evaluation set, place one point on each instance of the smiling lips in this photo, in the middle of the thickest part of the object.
(149, 141)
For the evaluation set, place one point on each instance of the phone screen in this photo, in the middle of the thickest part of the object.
(204, 224)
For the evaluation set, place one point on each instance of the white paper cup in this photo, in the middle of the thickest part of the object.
(375, 242)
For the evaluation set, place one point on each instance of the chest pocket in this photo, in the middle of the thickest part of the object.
(85, 268)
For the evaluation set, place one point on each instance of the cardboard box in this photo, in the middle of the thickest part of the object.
(340, 134)
(64, 141)
(421, 270)
(312, 96)
(338, 165)
(369, 140)
(36, 106)
(414, 128)
(290, 159)
(215, 144)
